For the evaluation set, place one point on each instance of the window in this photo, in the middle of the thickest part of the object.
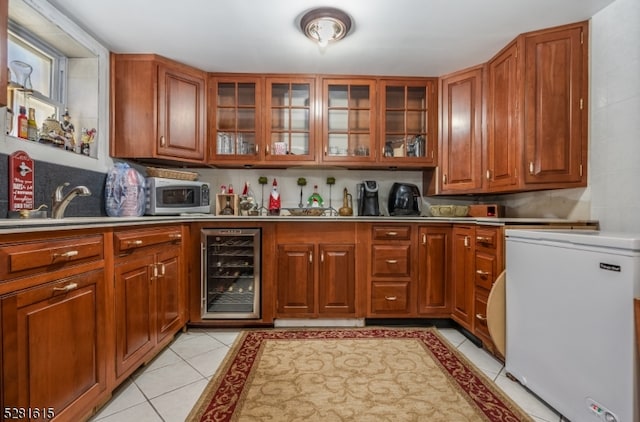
(37, 73)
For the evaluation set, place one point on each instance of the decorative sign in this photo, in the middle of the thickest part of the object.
(21, 175)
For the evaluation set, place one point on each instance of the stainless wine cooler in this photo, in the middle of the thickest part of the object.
(230, 273)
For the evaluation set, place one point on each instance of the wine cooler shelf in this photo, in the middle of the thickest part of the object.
(231, 273)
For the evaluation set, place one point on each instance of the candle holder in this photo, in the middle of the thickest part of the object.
(331, 181)
(263, 181)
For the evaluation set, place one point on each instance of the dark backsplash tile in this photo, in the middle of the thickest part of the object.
(47, 177)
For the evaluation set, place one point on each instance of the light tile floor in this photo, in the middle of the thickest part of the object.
(167, 388)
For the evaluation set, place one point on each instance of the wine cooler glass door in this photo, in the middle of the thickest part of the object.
(230, 273)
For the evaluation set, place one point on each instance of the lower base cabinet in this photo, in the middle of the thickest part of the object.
(54, 349)
(462, 275)
(149, 295)
(316, 278)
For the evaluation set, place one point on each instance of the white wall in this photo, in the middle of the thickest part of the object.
(614, 156)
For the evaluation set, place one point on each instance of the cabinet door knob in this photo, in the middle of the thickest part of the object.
(488, 174)
(424, 239)
(481, 317)
(466, 242)
(530, 167)
(162, 142)
(310, 258)
(391, 298)
(67, 288)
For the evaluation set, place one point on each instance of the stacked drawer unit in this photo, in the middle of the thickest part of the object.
(489, 263)
(391, 271)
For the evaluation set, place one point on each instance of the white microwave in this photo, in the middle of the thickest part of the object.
(174, 197)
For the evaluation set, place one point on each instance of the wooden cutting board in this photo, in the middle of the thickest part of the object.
(496, 313)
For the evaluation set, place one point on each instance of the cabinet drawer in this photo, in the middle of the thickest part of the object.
(486, 238)
(49, 255)
(130, 240)
(391, 232)
(390, 260)
(485, 270)
(481, 312)
(390, 297)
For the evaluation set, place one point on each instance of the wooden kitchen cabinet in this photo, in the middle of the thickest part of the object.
(54, 332)
(462, 275)
(349, 120)
(502, 148)
(537, 111)
(235, 119)
(434, 256)
(158, 109)
(391, 289)
(489, 263)
(461, 132)
(408, 122)
(316, 277)
(555, 107)
(291, 120)
(149, 280)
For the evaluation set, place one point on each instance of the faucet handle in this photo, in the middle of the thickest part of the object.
(57, 196)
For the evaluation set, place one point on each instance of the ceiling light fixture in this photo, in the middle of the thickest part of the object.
(325, 25)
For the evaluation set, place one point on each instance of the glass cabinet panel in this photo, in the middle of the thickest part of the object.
(290, 104)
(348, 123)
(236, 119)
(406, 131)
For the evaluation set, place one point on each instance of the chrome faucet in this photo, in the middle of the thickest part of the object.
(59, 202)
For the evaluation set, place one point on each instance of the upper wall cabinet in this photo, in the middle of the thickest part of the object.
(235, 119)
(536, 118)
(158, 109)
(291, 120)
(555, 107)
(461, 131)
(348, 120)
(408, 121)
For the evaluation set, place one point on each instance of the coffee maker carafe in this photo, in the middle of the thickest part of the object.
(368, 198)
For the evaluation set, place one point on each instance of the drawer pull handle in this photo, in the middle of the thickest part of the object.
(481, 317)
(480, 272)
(392, 233)
(134, 242)
(68, 254)
(391, 298)
(483, 239)
(67, 288)
(392, 261)
(175, 236)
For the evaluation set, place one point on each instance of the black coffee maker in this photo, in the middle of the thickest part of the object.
(368, 198)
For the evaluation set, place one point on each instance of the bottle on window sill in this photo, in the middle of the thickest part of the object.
(23, 124)
(32, 126)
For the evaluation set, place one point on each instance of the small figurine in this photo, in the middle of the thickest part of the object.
(315, 200)
(69, 131)
(87, 138)
(274, 199)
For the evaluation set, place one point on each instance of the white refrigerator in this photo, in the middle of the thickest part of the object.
(570, 332)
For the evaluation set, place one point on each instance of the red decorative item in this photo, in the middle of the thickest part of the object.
(274, 199)
(21, 175)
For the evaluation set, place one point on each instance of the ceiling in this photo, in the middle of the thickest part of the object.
(389, 37)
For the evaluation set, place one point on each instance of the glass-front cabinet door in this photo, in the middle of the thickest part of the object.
(291, 113)
(235, 124)
(348, 120)
(408, 122)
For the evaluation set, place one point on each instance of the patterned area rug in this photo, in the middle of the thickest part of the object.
(368, 374)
